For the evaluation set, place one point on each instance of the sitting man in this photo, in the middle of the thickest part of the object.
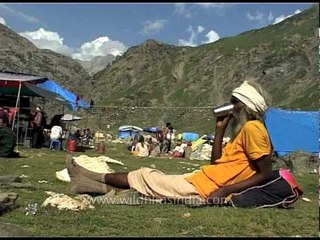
(245, 162)
(7, 139)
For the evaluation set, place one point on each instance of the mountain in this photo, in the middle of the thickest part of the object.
(17, 54)
(97, 64)
(283, 57)
(182, 84)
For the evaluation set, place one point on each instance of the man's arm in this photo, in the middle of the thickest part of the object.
(264, 171)
(221, 124)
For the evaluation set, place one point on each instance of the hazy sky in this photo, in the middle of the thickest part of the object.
(86, 30)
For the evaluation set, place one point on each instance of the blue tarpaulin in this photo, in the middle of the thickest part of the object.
(190, 136)
(68, 96)
(293, 130)
(151, 129)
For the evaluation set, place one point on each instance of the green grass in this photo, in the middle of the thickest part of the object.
(148, 219)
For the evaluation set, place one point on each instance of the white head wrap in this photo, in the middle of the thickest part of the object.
(250, 97)
(38, 108)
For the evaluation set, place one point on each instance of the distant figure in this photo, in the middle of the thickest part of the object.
(11, 114)
(154, 147)
(56, 133)
(188, 150)
(86, 137)
(37, 128)
(77, 135)
(141, 149)
(5, 112)
(178, 151)
(160, 138)
(7, 138)
(168, 133)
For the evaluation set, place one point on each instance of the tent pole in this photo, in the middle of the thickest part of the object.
(15, 112)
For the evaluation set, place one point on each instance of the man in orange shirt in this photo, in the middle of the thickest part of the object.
(244, 162)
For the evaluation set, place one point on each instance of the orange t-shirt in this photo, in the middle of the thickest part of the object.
(234, 166)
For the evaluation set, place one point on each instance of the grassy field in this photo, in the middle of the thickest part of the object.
(147, 219)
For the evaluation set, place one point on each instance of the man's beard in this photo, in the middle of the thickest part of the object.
(237, 122)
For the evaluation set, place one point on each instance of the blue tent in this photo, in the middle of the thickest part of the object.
(190, 136)
(67, 97)
(151, 129)
(293, 130)
(128, 131)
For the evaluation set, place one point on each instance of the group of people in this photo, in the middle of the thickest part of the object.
(239, 174)
(38, 131)
(8, 137)
(165, 136)
(161, 144)
(82, 136)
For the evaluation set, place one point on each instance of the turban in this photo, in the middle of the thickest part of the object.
(250, 97)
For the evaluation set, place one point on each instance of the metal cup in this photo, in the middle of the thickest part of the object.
(223, 110)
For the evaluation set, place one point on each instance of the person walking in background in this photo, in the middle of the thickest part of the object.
(37, 128)
(168, 137)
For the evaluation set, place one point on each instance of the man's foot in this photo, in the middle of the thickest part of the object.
(71, 166)
(80, 183)
(75, 169)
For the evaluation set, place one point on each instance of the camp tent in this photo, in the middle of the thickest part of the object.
(35, 86)
(128, 131)
(18, 84)
(293, 130)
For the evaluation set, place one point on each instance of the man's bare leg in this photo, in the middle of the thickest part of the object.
(119, 180)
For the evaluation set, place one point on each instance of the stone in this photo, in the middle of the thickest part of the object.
(12, 230)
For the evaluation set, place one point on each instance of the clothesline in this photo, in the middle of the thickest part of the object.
(137, 107)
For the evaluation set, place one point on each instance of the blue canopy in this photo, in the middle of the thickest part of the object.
(293, 130)
(52, 90)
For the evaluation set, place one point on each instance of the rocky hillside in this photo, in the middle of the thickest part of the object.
(284, 58)
(18, 54)
(97, 64)
(161, 77)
